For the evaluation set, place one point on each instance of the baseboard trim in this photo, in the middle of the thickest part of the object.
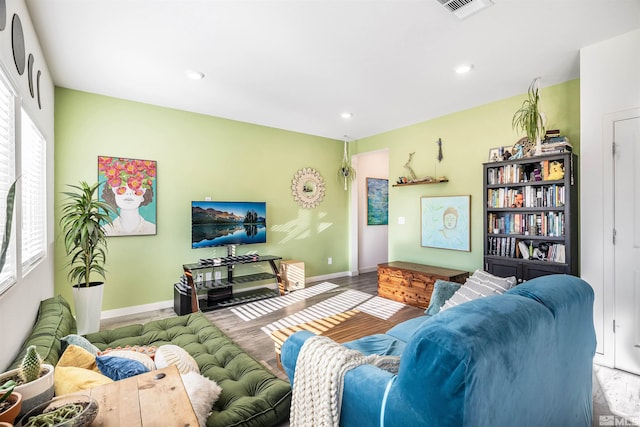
(160, 305)
(136, 309)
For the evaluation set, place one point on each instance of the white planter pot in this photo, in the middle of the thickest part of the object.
(88, 304)
(34, 392)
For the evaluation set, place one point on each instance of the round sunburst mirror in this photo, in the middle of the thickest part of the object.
(307, 188)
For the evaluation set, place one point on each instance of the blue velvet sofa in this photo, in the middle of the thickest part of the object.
(521, 358)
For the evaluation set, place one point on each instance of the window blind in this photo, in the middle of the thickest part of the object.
(7, 176)
(34, 198)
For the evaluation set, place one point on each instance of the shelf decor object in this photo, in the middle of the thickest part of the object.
(530, 119)
(307, 188)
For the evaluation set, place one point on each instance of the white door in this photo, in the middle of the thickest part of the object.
(627, 242)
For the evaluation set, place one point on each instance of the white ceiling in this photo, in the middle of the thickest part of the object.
(298, 64)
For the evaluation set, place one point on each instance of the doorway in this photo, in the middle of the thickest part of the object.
(626, 238)
(369, 243)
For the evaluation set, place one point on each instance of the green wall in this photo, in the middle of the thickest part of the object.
(467, 137)
(198, 156)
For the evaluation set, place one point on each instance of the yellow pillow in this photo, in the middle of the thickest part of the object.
(70, 379)
(78, 357)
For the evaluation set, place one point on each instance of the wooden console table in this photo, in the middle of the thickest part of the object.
(412, 283)
(157, 398)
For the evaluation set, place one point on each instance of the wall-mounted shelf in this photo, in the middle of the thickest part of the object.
(421, 183)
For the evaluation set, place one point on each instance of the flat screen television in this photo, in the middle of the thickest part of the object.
(227, 223)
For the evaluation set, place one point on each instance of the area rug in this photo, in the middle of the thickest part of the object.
(257, 309)
(347, 300)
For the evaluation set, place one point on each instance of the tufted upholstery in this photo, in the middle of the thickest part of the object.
(54, 321)
(251, 395)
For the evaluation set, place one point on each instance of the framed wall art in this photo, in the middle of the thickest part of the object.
(446, 222)
(129, 186)
(377, 201)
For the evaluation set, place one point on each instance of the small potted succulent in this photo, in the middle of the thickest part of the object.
(32, 379)
(10, 402)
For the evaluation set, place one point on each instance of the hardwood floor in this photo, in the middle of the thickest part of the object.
(247, 334)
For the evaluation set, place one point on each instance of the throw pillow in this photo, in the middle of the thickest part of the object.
(442, 291)
(480, 284)
(149, 350)
(70, 379)
(119, 368)
(134, 355)
(170, 354)
(203, 393)
(77, 357)
(80, 341)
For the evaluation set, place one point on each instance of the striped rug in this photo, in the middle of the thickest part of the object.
(257, 309)
(345, 301)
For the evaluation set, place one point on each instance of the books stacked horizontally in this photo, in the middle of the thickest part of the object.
(555, 143)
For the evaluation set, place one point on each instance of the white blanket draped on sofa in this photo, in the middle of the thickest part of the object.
(318, 381)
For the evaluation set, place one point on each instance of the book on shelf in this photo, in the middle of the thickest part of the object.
(555, 144)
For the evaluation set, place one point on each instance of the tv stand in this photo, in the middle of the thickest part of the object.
(211, 289)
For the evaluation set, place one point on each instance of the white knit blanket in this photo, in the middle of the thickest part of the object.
(318, 380)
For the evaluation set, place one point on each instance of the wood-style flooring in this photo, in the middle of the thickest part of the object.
(247, 334)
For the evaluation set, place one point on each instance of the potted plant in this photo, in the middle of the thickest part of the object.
(529, 117)
(346, 171)
(83, 219)
(10, 402)
(33, 380)
(6, 238)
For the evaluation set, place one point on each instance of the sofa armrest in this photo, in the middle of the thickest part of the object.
(364, 386)
(289, 352)
(54, 322)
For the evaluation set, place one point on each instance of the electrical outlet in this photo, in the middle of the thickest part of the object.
(329, 260)
(199, 278)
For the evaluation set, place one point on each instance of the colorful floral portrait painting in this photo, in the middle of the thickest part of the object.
(129, 186)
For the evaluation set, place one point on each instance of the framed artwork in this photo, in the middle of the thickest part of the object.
(497, 154)
(446, 222)
(377, 201)
(129, 186)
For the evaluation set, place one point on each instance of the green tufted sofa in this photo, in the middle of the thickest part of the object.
(251, 395)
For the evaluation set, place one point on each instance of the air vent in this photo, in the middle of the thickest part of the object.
(464, 8)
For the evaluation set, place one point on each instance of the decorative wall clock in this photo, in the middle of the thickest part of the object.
(307, 188)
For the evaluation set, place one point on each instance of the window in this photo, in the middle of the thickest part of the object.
(7, 176)
(33, 186)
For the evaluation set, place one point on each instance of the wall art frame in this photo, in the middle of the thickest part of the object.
(446, 222)
(130, 187)
(307, 188)
(377, 201)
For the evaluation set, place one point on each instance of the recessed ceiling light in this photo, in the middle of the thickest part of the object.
(464, 68)
(346, 115)
(195, 75)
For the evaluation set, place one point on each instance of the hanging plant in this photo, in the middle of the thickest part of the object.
(346, 172)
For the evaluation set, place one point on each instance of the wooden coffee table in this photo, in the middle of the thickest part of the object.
(347, 326)
(157, 398)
